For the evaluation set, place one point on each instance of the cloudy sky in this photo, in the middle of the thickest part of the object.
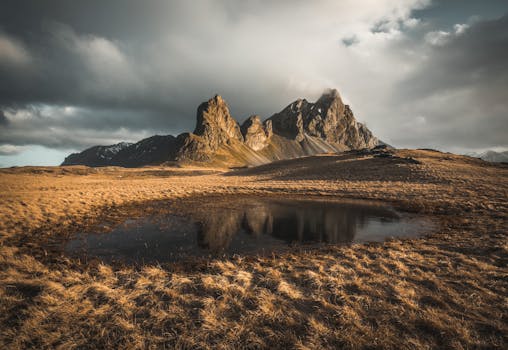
(420, 73)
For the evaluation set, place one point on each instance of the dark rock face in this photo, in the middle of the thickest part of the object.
(152, 150)
(289, 122)
(193, 147)
(302, 128)
(96, 156)
(256, 134)
(328, 119)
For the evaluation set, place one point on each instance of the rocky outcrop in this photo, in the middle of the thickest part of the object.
(193, 147)
(215, 127)
(215, 124)
(289, 122)
(328, 119)
(256, 134)
(302, 128)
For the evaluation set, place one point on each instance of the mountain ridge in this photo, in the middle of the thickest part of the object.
(302, 128)
(491, 156)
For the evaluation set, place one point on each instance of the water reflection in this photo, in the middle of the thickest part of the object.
(246, 226)
(289, 221)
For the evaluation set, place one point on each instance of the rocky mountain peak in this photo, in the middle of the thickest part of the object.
(299, 104)
(215, 124)
(328, 118)
(330, 94)
(331, 101)
(289, 122)
(302, 128)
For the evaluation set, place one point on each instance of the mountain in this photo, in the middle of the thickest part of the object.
(147, 151)
(152, 150)
(215, 128)
(96, 155)
(492, 156)
(300, 129)
(328, 119)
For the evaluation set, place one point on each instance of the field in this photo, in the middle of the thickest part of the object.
(446, 290)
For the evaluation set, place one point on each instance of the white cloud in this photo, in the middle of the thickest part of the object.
(437, 38)
(441, 37)
(460, 28)
(412, 22)
(11, 150)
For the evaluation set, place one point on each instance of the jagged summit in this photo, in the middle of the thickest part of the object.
(328, 119)
(302, 128)
(329, 95)
(215, 127)
(215, 124)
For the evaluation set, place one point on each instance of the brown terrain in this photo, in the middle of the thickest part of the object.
(448, 289)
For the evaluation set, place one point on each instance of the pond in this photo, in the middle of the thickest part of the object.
(211, 227)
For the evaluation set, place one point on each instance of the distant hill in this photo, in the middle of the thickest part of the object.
(492, 156)
(302, 128)
(96, 155)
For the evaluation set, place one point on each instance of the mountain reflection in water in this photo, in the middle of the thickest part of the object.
(290, 222)
(246, 226)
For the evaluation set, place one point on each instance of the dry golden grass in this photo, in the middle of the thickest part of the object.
(447, 290)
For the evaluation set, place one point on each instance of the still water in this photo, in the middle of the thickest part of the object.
(216, 227)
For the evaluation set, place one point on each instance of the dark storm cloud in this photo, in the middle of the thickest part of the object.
(78, 73)
(461, 88)
(128, 65)
(86, 69)
(92, 54)
(446, 13)
(3, 119)
(79, 127)
(112, 18)
(479, 56)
